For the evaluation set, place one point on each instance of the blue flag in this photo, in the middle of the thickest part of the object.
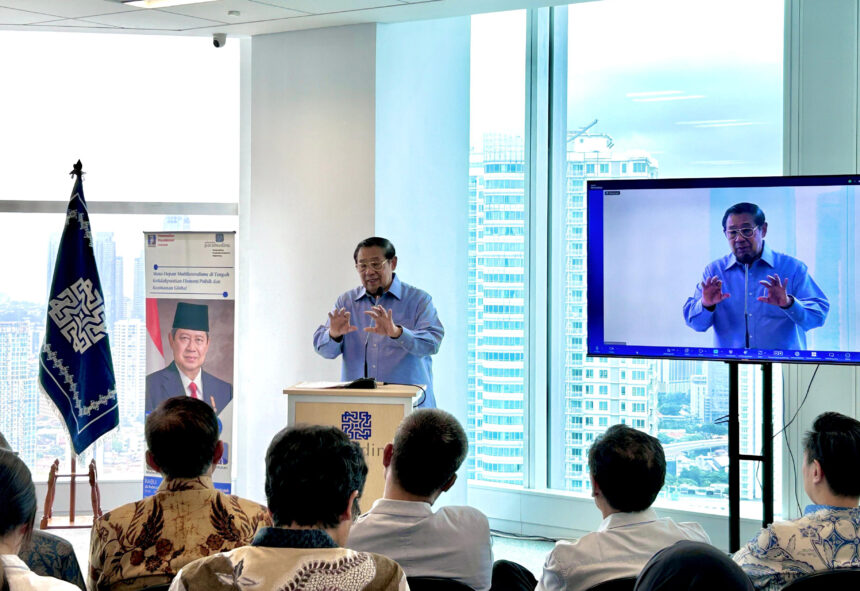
(75, 365)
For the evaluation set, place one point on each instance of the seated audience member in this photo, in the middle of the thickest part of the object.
(17, 515)
(47, 554)
(52, 556)
(827, 534)
(692, 566)
(421, 464)
(314, 476)
(627, 472)
(145, 543)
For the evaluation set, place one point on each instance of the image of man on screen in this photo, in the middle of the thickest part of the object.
(189, 341)
(755, 297)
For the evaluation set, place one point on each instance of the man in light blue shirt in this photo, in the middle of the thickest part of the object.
(755, 297)
(385, 329)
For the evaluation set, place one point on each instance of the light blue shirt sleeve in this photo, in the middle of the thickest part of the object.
(696, 315)
(425, 337)
(323, 343)
(810, 306)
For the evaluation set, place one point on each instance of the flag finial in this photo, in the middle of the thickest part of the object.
(77, 169)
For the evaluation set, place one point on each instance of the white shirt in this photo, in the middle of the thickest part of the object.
(620, 547)
(452, 543)
(186, 382)
(22, 578)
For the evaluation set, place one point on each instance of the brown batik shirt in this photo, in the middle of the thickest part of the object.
(145, 543)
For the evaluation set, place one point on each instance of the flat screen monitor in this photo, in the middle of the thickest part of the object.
(751, 269)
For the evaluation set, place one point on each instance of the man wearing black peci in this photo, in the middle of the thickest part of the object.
(189, 340)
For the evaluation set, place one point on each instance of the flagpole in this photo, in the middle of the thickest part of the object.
(77, 170)
(72, 487)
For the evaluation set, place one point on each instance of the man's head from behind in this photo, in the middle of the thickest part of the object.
(429, 446)
(182, 438)
(189, 337)
(832, 455)
(628, 469)
(312, 476)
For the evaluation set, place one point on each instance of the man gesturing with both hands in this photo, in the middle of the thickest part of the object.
(755, 297)
(384, 329)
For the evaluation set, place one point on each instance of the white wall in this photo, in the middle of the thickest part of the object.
(308, 198)
(422, 180)
(822, 94)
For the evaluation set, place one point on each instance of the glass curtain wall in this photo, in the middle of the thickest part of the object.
(639, 90)
(155, 121)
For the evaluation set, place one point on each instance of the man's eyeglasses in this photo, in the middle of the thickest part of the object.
(745, 232)
(375, 265)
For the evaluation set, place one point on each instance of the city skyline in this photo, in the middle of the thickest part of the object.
(37, 434)
(681, 402)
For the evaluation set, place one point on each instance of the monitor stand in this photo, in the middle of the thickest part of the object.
(735, 455)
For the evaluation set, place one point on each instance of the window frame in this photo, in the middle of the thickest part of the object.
(535, 508)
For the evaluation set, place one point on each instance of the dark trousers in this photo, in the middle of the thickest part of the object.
(510, 576)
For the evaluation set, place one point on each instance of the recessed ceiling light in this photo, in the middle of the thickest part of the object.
(161, 3)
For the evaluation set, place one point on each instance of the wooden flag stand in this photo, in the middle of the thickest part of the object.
(48, 520)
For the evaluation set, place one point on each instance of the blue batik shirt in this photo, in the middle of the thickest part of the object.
(768, 326)
(824, 538)
(404, 360)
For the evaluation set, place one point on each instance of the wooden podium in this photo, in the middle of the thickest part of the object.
(368, 417)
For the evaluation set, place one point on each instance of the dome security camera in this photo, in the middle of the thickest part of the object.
(219, 39)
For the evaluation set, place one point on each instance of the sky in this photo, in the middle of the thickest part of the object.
(162, 126)
(690, 82)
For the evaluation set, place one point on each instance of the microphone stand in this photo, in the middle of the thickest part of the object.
(376, 298)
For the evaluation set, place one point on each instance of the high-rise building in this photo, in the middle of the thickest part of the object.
(597, 392)
(497, 309)
(138, 304)
(19, 390)
(128, 348)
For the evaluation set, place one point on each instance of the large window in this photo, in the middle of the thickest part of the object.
(154, 120)
(497, 249)
(645, 90)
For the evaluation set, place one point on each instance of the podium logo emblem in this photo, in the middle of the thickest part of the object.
(356, 425)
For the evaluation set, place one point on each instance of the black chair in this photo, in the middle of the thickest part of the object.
(838, 578)
(436, 584)
(620, 584)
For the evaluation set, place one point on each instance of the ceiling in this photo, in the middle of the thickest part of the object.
(246, 17)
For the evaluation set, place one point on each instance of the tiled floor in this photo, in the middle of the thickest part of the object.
(529, 553)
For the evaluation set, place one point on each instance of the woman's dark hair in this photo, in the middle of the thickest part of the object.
(19, 500)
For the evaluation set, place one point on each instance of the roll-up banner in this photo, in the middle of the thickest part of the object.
(190, 318)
